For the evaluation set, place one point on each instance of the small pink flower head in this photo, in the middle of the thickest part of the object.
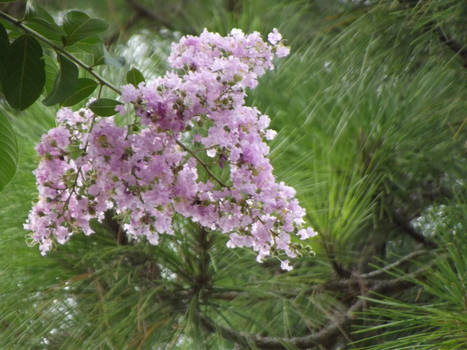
(270, 134)
(120, 109)
(274, 37)
(285, 265)
(45, 246)
(306, 233)
(282, 51)
(211, 153)
(237, 33)
(129, 93)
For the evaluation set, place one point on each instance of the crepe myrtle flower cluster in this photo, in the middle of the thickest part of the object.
(192, 147)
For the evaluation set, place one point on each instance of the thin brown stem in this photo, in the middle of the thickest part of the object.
(59, 49)
(203, 164)
(407, 228)
(326, 335)
(393, 265)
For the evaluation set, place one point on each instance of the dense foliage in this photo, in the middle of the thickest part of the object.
(370, 114)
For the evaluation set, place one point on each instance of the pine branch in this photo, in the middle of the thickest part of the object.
(393, 265)
(339, 285)
(453, 45)
(329, 250)
(326, 335)
(408, 229)
(203, 279)
(115, 227)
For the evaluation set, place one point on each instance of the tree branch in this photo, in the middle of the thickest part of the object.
(57, 48)
(151, 15)
(339, 285)
(409, 230)
(453, 45)
(393, 265)
(109, 41)
(322, 337)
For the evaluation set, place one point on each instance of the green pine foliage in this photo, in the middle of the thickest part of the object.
(370, 110)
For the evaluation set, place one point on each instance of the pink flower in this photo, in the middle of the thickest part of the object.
(282, 51)
(285, 265)
(306, 233)
(89, 164)
(274, 37)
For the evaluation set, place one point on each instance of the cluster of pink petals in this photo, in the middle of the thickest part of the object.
(193, 149)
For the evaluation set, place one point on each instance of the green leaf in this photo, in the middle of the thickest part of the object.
(42, 22)
(88, 45)
(7, 0)
(78, 25)
(51, 71)
(98, 55)
(83, 89)
(4, 47)
(85, 49)
(104, 107)
(65, 82)
(8, 152)
(134, 77)
(37, 11)
(25, 78)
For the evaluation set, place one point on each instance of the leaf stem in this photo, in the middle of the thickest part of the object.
(18, 23)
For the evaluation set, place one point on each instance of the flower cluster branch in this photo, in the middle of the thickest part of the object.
(192, 147)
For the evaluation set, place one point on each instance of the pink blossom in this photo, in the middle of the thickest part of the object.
(274, 37)
(90, 165)
(282, 51)
(285, 265)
